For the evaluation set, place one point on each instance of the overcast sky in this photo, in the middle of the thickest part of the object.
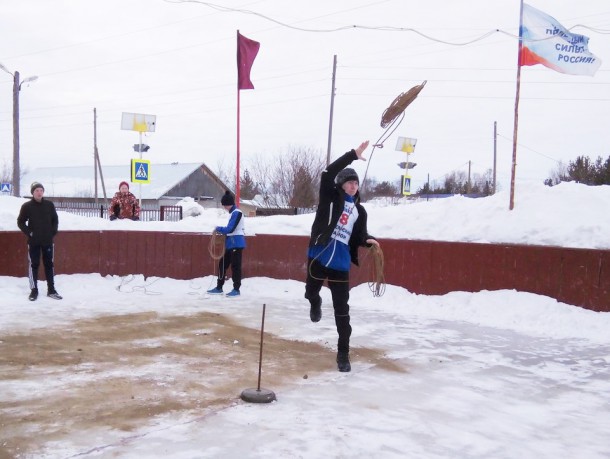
(177, 61)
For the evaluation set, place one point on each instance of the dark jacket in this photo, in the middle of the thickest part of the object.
(330, 207)
(38, 221)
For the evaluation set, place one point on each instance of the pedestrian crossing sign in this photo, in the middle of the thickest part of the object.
(5, 188)
(406, 185)
(140, 171)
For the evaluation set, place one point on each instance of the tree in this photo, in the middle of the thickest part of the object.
(582, 170)
(457, 182)
(289, 178)
(424, 189)
(366, 187)
(296, 176)
(385, 189)
(6, 173)
(602, 171)
(304, 194)
(247, 187)
(560, 174)
(226, 173)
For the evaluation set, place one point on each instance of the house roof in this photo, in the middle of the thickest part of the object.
(78, 181)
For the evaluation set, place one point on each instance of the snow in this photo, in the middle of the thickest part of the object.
(567, 215)
(500, 374)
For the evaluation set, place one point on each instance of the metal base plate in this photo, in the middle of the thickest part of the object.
(258, 396)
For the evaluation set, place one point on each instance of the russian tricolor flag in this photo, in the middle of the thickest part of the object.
(545, 41)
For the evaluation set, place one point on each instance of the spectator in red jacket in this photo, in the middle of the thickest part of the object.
(124, 204)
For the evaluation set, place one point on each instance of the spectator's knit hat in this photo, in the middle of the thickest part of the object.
(123, 183)
(346, 175)
(227, 199)
(36, 185)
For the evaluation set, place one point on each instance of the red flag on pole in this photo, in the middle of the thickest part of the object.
(246, 53)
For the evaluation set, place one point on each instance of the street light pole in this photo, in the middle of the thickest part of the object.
(16, 168)
(16, 88)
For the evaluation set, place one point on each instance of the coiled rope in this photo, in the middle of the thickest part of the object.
(377, 285)
(216, 247)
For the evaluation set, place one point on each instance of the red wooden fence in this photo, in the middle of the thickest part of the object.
(579, 277)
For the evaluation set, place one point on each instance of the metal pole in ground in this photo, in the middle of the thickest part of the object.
(259, 395)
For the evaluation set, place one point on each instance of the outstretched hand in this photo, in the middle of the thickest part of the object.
(360, 150)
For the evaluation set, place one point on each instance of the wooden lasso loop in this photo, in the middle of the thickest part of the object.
(216, 247)
(400, 104)
(391, 119)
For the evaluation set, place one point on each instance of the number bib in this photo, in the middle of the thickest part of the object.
(345, 225)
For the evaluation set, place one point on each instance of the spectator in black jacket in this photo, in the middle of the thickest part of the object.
(39, 222)
(339, 228)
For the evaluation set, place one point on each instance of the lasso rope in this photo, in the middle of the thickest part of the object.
(319, 278)
(391, 119)
(130, 278)
(377, 286)
(216, 247)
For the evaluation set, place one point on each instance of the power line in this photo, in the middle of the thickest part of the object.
(530, 149)
(227, 9)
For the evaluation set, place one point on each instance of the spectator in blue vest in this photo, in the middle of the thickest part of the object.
(235, 243)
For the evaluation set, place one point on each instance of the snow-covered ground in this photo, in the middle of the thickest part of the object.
(500, 374)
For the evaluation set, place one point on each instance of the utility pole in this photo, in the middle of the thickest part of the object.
(16, 169)
(332, 107)
(16, 88)
(493, 190)
(95, 154)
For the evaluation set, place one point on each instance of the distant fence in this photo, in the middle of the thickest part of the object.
(580, 277)
(269, 211)
(148, 213)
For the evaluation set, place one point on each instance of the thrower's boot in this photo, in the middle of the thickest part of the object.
(315, 311)
(345, 331)
(343, 362)
(33, 294)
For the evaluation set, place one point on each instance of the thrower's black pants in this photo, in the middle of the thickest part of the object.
(338, 283)
(34, 252)
(232, 258)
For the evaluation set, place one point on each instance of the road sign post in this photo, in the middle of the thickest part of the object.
(406, 145)
(140, 123)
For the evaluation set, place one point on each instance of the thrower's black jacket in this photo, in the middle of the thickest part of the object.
(38, 221)
(330, 208)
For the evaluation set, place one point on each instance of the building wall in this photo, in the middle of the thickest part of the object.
(200, 183)
(580, 277)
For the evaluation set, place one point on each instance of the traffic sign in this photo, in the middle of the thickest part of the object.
(140, 171)
(406, 185)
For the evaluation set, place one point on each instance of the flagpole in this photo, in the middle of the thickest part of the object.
(516, 116)
(238, 131)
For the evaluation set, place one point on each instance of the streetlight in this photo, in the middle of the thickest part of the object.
(16, 88)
